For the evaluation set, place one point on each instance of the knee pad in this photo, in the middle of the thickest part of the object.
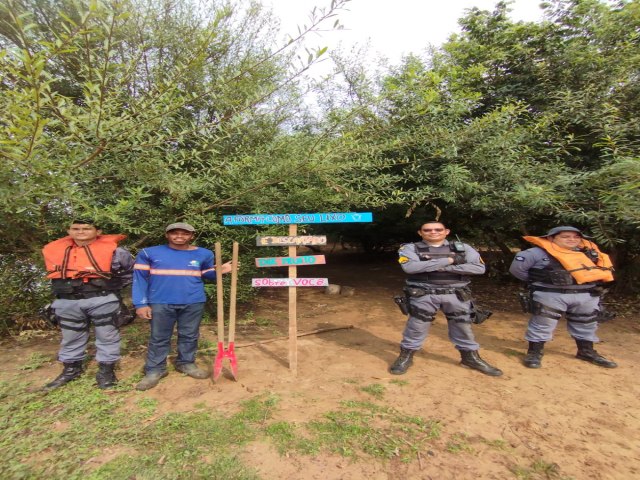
(105, 319)
(460, 316)
(78, 325)
(422, 315)
(582, 317)
(545, 311)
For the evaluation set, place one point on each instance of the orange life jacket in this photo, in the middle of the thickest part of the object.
(63, 258)
(577, 263)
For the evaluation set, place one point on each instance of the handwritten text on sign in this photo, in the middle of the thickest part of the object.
(292, 218)
(288, 261)
(289, 282)
(291, 241)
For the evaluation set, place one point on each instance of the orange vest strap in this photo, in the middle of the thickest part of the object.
(577, 263)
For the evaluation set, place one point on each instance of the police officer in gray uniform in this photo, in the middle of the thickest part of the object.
(87, 272)
(555, 292)
(439, 273)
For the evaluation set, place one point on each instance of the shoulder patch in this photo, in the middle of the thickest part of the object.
(519, 258)
(402, 259)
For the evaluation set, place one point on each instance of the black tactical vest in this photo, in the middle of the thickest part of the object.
(426, 252)
(554, 274)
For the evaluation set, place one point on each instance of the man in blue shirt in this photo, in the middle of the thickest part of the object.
(167, 290)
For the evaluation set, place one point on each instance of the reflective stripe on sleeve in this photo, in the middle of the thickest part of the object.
(180, 273)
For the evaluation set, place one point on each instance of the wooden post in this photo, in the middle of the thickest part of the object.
(219, 293)
(293, 307)
(293, 241)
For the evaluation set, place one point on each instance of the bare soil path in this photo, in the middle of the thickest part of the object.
(567, 420)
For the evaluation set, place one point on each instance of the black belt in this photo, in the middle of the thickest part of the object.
(561, 290)
(434, 291)
(83, 295)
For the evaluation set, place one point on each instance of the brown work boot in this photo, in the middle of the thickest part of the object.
(192, 370)
(150, 380)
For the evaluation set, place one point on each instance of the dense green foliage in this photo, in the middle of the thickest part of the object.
(512, 127)
(139, 113)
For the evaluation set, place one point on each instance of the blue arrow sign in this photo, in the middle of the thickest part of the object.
(289, 218)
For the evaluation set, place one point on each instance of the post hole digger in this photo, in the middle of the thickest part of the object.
(229, 352)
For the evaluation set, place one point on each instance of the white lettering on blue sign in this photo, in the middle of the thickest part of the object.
(295, 218)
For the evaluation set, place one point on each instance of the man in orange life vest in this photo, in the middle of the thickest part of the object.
(564, 272)
(87, 272)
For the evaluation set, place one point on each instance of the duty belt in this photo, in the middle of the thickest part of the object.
(560, 290)
(433, 291)
(83, 295)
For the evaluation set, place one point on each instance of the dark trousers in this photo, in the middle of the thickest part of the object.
(164, 317)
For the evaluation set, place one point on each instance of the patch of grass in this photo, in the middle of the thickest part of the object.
(251, 319)
(365, 428)
(204, 344)
(259, 409)
(133, 338)
(263, 322)
(498, 444)
(375, 390)
(35, 361)
(352, 381)
(513, 353)
(148, 405)
(65, 433)
(400, 383)
(538, 470)
(287, 437)
(459, 443)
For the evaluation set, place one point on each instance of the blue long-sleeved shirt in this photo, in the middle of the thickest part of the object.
(165, 275)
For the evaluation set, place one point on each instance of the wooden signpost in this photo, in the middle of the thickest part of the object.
(292, 241)
(286, 261)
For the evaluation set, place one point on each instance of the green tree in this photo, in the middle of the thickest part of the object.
(139, 113)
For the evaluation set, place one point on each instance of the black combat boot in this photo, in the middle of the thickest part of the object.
(588, 354)
(71, 371)
(533, 358)
(106, 376)
(471, 359)
(403, 362)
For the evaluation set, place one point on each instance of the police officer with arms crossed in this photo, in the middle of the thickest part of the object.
(564, 272)
(87, 272)
(439, 273)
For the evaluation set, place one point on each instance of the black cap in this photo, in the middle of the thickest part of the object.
(84, 221)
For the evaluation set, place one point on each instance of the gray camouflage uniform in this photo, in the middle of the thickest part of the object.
(441, 294)
(74, 315)
(575, 301)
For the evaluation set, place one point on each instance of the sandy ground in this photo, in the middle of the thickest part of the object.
(567, 420)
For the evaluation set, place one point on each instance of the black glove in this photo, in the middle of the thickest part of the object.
(459, 259)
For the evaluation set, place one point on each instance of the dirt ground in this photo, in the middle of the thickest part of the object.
(569, 419)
